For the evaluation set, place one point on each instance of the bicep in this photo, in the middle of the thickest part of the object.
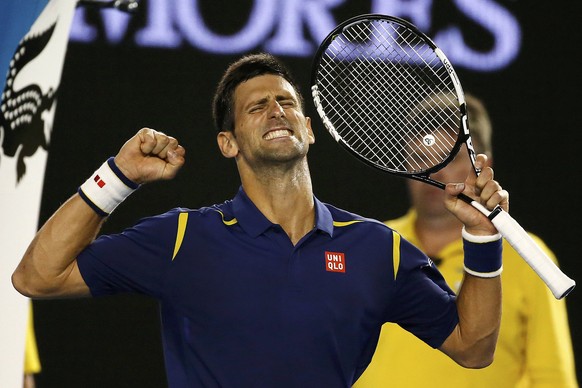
(75, 284)
(426, 305)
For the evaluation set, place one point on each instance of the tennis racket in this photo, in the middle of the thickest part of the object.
(390, 96)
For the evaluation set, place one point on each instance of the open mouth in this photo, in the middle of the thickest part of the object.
(277, 133)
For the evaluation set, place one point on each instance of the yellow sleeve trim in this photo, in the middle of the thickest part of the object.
(182, 221)
(345, 223)
(395, 252)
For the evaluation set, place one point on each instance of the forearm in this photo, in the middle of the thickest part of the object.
(48, 267)
(479, 309)
(472, 344)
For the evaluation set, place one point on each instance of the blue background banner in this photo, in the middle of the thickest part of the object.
(16, 18)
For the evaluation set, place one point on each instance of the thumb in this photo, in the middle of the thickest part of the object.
(454, 189)
(174, 162)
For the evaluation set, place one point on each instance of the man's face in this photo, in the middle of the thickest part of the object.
(428, 199)
(269, 124)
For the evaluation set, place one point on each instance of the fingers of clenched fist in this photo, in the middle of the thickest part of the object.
(159, 144)
(150, 155)
(154, 142)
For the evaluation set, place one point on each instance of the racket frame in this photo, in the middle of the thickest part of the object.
(464, 136)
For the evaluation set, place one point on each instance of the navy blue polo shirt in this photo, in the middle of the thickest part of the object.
(242, 307)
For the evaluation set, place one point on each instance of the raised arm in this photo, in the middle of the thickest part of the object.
(472, 343)
(48, 268)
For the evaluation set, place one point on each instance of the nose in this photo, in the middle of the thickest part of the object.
(276, 110)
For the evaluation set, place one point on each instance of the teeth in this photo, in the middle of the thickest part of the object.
(275, 134)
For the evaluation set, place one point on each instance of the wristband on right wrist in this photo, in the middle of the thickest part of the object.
(106, 188)
(482, 254)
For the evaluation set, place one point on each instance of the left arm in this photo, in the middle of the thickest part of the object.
(472, 342)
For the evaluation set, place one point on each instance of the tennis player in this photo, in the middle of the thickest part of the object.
(272, 288)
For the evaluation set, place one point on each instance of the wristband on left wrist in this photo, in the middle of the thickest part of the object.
(482, 254)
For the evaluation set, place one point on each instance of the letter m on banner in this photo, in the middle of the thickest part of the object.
(27, 107)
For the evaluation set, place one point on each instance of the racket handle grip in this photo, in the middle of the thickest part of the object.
(560, 284)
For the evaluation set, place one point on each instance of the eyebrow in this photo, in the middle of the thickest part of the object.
(278, 97)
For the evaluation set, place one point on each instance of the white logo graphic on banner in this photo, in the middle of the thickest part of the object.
(24, 104)
(26, 117)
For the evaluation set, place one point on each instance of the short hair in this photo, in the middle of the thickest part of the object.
(245, 68)
(479, 125)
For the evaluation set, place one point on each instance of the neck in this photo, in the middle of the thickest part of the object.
(434, 233)
(284, 196)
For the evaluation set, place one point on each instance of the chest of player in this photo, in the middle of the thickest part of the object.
(232, 278)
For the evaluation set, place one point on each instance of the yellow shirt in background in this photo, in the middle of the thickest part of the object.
(534, 347)
(31, 359)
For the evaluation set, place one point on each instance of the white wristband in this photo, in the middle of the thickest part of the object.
(479, 239)
(486, 275)
(106, 188)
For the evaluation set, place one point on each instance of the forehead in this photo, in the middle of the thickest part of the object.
(263, 86)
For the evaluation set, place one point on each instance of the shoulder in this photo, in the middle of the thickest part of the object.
(357, 228)
(343, 218)
(174, 216)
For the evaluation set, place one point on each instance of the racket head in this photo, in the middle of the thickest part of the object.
(389, 95)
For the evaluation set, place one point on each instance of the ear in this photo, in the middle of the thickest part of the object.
(227, 144)
(309, 130)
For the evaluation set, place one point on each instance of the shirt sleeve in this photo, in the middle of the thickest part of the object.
(135, 260)
(424, 304)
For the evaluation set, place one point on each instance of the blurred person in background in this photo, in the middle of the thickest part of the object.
(534, 347)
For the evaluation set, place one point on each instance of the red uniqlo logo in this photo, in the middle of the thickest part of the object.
(335, 262)
(100, 182)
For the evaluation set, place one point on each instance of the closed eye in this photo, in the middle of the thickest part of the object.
(287, 103)
(257, 108)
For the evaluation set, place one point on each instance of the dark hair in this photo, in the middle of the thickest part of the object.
(240, 71)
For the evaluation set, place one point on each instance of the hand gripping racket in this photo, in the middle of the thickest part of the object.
(390, 96)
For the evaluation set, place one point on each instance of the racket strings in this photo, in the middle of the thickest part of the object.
(388, 96)
(344, 116)
(358, 139)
